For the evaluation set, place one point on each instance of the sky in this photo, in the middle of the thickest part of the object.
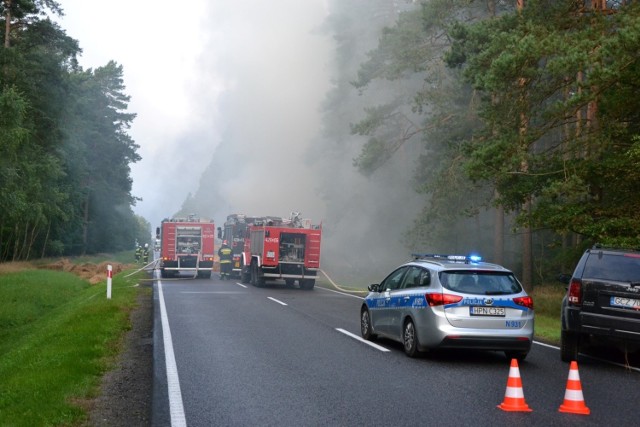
(250, 70)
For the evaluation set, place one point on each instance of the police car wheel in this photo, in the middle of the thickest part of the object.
(410, 339)
(365, 325)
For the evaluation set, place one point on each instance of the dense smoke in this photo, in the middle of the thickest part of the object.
(279, 135)
(285, 143)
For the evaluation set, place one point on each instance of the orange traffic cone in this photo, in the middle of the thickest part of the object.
(573, 399)
(514, 395)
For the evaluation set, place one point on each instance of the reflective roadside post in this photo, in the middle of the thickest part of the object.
(109, 275)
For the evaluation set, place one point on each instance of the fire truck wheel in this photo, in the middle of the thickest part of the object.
(256, 279)
(245, 277)
(204, 275)
(307, 284)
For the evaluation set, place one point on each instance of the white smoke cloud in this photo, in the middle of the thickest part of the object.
(251, 69)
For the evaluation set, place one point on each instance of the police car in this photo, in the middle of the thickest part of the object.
(450, 301)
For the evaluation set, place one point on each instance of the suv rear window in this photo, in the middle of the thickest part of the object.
(480, 282)
(615, 267)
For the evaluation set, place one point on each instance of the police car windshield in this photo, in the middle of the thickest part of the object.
(480, 282)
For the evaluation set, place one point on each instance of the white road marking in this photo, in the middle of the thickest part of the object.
(275, 300)
(622, 365)
(212, 292)
(362, 340)
(241, 285)
(176, 407)
(338, 292)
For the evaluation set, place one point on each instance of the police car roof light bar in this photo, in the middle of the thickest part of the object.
(465, 258)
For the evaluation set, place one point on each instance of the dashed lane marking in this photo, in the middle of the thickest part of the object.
(369, 343)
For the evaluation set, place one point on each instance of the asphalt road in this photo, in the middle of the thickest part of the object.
(228, 354)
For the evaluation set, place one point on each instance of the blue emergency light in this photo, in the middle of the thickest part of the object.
(466, 258)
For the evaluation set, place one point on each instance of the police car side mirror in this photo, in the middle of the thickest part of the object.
(373, 288)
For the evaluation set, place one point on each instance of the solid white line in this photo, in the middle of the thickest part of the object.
(275, 300)
(173, 383)
(376, 346)
(546, 345)
(212, 292)
(240, 284)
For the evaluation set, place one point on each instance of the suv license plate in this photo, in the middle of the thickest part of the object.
(487, 311)
(625, 302)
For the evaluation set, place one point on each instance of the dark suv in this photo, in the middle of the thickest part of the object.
(602, 304)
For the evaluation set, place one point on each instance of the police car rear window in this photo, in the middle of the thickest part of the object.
(614, 267)
(480, 282)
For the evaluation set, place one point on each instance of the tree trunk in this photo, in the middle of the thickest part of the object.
(46, 240)
(7, 23)
(498, 235)
(85, 225)
(527, 255)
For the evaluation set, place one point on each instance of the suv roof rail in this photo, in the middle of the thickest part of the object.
(614, 248)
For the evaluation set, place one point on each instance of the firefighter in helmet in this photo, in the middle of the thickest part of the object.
(138, 253)
(225, 260)
(145, 253)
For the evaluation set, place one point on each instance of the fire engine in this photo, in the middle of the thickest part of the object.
(186, 245)
(235, 232)
(278, 248)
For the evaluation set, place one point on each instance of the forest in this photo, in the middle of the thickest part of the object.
(509, 127)
(65, 155)
(528, 120)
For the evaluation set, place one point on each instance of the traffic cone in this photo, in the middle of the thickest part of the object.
(573, 399)
(514, 395)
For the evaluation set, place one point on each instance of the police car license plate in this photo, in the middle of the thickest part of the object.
(625, 302)
(478, 310)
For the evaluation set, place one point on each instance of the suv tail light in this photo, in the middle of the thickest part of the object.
(442, 299)
(525, 302)
(575, 292)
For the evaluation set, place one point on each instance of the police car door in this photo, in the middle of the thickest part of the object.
(401, 302)
(387, 303)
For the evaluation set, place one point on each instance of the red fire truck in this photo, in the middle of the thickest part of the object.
(186, 245)
(235, 232)
(276, 248)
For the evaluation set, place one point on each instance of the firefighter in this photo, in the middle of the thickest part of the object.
(145, 253)
(225, 260)
(138, 253)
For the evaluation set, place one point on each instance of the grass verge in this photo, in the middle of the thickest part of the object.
(58, 336)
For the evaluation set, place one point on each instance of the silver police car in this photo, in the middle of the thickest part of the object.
(450, 301)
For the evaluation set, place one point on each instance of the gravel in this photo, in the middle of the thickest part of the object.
(126, 391)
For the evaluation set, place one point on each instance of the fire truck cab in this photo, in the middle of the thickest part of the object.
(187, 245)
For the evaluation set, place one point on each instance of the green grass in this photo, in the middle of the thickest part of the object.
(58, 336)
(546, 302)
